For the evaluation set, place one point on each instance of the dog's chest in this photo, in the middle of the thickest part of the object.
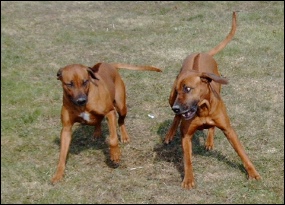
(85, 116)
(88, 118)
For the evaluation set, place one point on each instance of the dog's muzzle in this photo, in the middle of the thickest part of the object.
(80, 101)
(187, 113)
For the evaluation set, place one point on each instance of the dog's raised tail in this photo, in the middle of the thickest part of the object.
(223, 44)
(135, 67)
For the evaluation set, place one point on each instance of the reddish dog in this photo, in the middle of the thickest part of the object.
(90, 94)
(197, 104)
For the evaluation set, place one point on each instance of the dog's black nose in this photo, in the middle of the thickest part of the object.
(81, 101)
(176, 108)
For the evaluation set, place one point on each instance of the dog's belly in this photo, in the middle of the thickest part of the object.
(199, 123)
(205, 126)
(205, 123)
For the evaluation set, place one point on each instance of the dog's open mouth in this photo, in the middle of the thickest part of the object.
(189, 114)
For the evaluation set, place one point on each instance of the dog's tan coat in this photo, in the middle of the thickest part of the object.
(195, 99)
(89, 95)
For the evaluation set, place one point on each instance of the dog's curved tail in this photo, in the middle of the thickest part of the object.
(135, 67)
(223, 44)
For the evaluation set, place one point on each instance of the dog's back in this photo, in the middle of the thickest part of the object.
(204, 62)
(201, 62)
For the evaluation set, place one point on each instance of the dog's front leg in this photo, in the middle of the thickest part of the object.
(188, 181)
(177, 118)
(65, 140)
(172, 130)
(115, 152)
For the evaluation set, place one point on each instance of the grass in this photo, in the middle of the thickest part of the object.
(38, 38)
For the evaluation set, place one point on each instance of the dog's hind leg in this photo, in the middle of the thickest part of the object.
(124, 134)
(209, 144)
(121, 107)
(115, 152)
(97, 131)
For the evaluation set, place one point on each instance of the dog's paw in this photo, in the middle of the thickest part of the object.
(188, 184)
(209, 147)
(125, 139)
(56, 179)
(209, 143)
(115, 154)
(124, 135)
(168, 139)
(253, 174)
(97, 134)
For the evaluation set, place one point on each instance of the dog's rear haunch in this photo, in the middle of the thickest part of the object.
(89, 95)
(195, 100)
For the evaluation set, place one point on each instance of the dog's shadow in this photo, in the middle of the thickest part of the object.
(173, 152)
(82, 139)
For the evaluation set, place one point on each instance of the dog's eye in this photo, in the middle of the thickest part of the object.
(85, 82)
(186, 89)
(70, 85)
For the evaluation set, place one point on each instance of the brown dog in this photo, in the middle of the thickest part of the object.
(197, 104)
(90, 94)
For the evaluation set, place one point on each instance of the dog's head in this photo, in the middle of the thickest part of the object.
(75, 80)
(191, 89)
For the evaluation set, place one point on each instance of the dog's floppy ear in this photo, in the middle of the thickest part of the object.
(59, 74)
(91, 73)
(208, 77)
(94, 70)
